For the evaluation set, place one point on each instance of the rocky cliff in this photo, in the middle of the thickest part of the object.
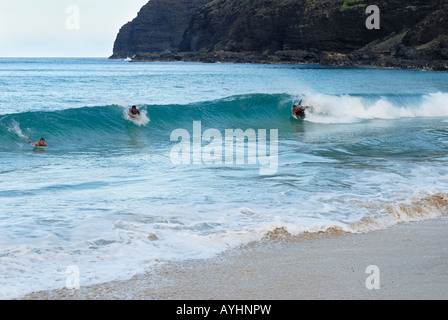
(412, 33)
(158, 27)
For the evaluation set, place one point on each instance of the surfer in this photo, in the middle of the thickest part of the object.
(299, 111)
(40, 143)
(134, 112)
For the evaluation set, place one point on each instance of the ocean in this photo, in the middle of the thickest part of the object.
(112, 197)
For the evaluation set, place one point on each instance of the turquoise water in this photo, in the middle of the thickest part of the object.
(110, 197)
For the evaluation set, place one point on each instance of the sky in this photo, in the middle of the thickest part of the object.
(63, 28)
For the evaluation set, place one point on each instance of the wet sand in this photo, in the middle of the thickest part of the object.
(411, 263)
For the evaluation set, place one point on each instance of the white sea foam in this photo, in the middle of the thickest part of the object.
(14, 127)
(141, 120)
(122, 248)
(347, 109)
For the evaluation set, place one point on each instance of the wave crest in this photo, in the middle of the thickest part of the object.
(348, 109)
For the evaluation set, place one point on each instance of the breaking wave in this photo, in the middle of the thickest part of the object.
(111, 122)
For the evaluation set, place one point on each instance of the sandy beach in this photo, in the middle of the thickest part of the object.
(406, 261)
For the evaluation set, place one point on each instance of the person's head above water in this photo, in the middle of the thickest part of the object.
(134, 107)
(40, 143)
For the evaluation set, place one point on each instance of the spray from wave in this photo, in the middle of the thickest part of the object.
(142, 120)
(349, 109)
(15, 128)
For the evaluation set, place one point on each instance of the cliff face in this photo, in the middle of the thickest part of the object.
(259, 25)
(413, 33)
(158, 27)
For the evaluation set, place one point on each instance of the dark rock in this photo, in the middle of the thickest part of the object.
(444, 53)
(275, 25)
(335, 59)
(412, 34)
(158, 27)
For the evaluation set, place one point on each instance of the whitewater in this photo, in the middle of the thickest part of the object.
(106, 199)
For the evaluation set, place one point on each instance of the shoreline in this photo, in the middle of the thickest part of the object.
(291, 57)
(409, 262)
